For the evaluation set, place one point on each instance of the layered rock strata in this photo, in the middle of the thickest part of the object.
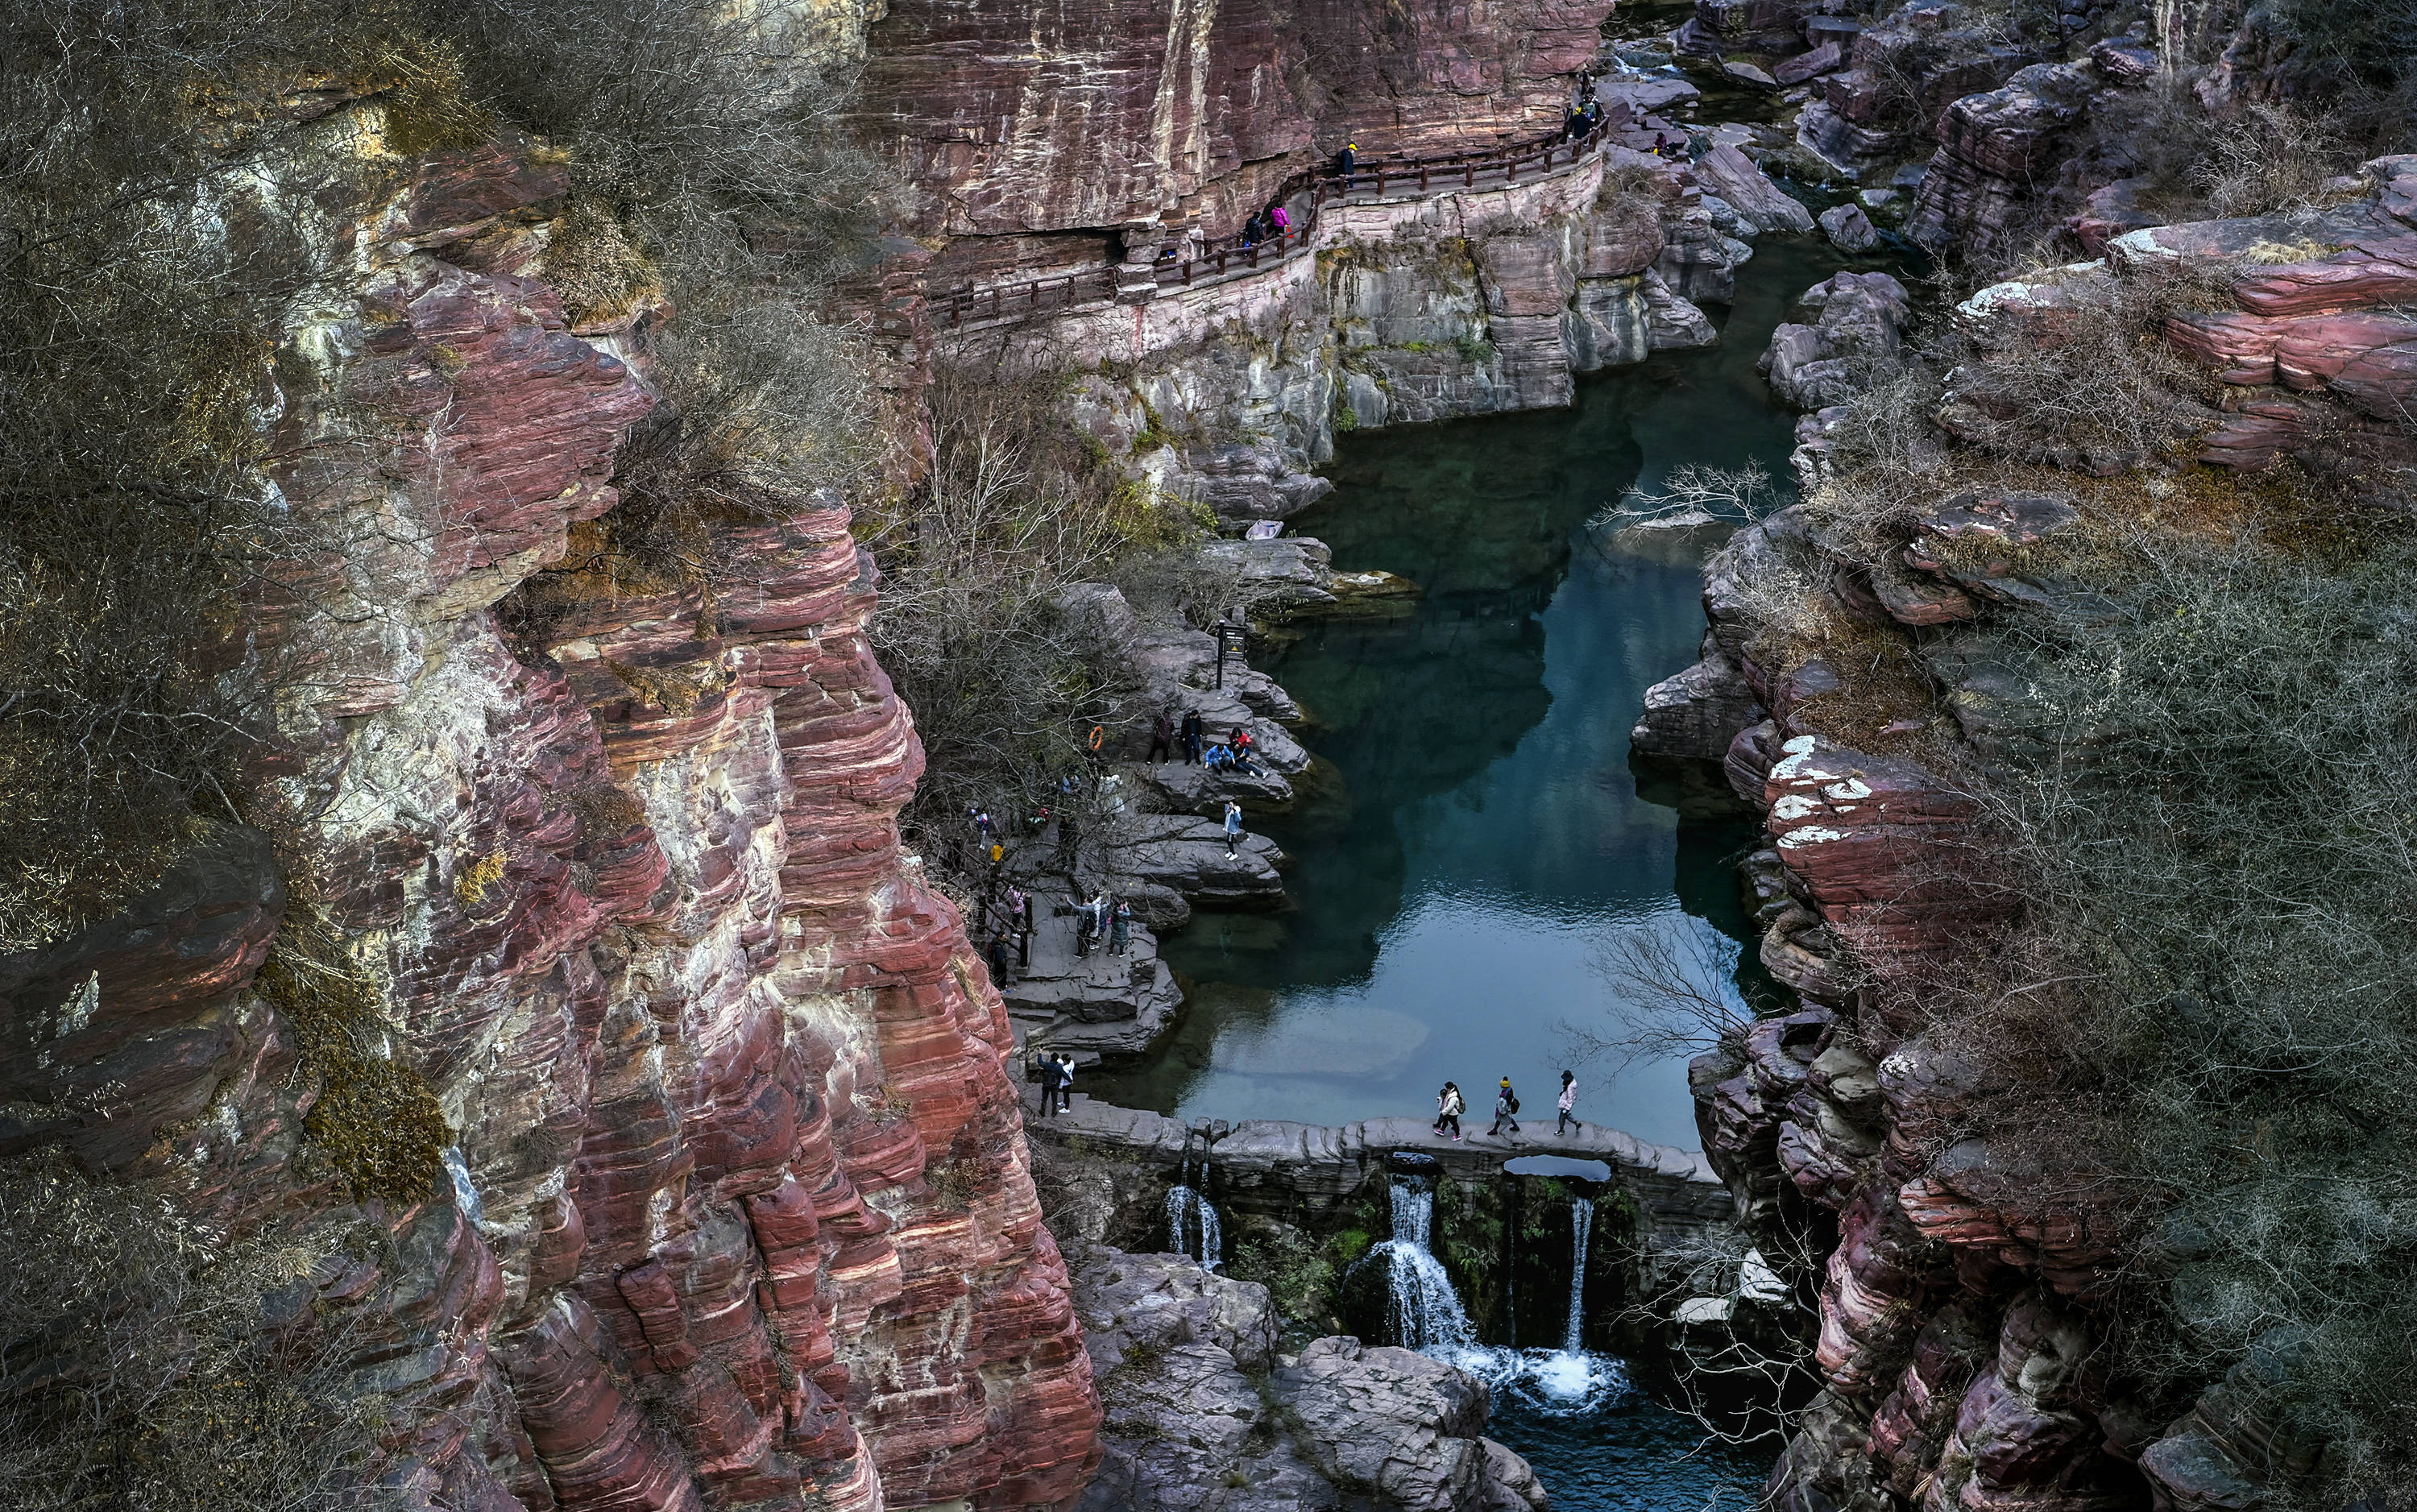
(1965, 1319)
(736, 1210)
(1417, 307)
(1057, 128)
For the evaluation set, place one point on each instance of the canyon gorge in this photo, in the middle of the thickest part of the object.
(500, 1013)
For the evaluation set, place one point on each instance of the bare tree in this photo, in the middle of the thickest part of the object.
(1695, 493)
(1668, 997)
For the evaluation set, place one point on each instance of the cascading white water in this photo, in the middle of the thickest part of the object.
(1191, 1224)
(1420, 1305)
(1193, 1227)
(1581, 1225)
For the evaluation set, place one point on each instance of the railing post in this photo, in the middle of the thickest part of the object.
(1468, 171)
(1380, 179)
(1422, 176)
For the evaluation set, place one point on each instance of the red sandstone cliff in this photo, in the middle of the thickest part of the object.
(738, 1213)
(1010, 121)
(1968, 1321)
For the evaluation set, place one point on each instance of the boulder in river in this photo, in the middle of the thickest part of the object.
(1849, 228)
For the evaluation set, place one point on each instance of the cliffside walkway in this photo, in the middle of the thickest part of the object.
(1372, 180)
(1321, 1164)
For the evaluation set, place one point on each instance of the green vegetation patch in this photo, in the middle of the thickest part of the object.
(376, 1117)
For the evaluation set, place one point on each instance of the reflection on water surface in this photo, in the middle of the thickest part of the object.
(1477, 835)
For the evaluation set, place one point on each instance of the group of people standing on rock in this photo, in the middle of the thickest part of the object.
(1191, 735)
(1449, 1105)
(1056, 1074)
(1103, 916)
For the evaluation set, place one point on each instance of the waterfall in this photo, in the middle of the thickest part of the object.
(1420, 1305)
(1581, 1225)
(1193, 1228)
(1191, 1225)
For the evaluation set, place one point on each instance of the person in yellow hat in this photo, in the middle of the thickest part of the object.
(1506, 1107)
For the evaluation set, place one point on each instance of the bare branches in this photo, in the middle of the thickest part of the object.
(1670, 997)
(1696, 493)
(2273, 159)
(1015, 512)
(136, 1371)
(2219, 826)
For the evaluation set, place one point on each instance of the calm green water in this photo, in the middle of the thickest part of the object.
(1481, 837)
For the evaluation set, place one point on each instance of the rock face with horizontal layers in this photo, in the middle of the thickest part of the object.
(2315, 359)
(1010, 122)
(736, 1210)
(1969, 1299)
(1411, 308)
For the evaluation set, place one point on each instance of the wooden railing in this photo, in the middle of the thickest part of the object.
(1023, 298)
(1236, 257)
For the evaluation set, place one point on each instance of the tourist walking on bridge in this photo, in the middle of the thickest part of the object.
(1569, 1100)
(1449, 1107)
(1347, 163)
(1506, 1109)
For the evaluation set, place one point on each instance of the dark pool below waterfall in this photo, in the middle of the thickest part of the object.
(1600, 1445)
(1479, 837)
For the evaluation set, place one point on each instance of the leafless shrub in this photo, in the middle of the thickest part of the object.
(1670, 998)
(2216, 1019)
(2273, 159)
(1718, 494)
(1885, 455)
(1787, 599)
(136, 1371)
(710, 132)
(2091, 384)
(1742, 1369)
(709, 165)
(1005, 684)
(146, 285)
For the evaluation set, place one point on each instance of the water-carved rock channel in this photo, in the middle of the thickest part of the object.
(1479, 835)
(1474, 839)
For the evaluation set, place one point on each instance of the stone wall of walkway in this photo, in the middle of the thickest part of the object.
(1287, 1169)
